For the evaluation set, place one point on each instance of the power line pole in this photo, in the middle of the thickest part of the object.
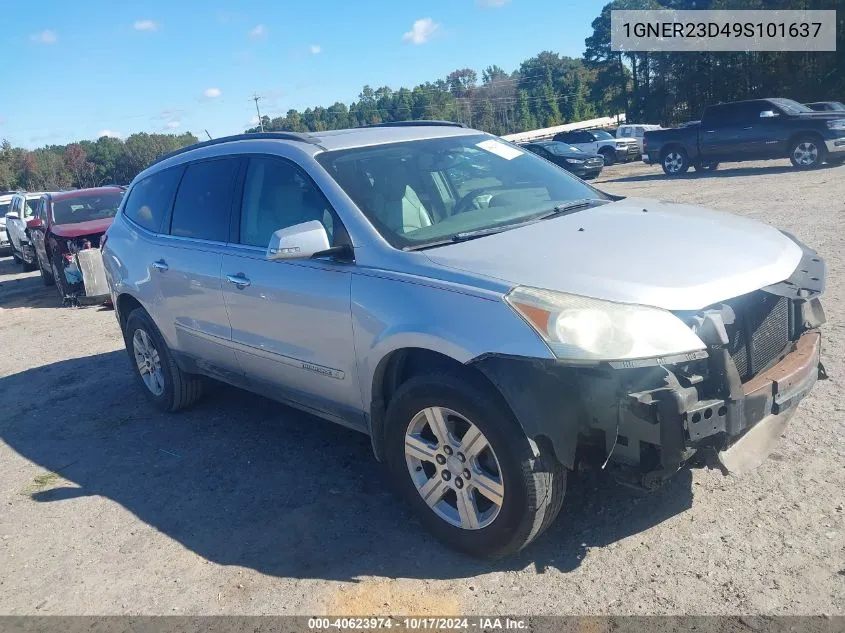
(260, 121)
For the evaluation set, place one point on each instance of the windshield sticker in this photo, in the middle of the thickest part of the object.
(500, 149)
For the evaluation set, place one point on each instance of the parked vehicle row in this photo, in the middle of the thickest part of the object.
(569, 157)
(59, 234)
(477, 311)
(750, 130)
(612, 149)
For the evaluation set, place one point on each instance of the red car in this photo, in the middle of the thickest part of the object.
(66, 231)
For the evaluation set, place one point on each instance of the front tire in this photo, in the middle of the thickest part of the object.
(675, 162)
(807, 152)
(162, 380)
(609, 156)
(466, 467)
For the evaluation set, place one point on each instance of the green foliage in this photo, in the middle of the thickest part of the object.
(86, 163)
(670, 88)
(546, 90)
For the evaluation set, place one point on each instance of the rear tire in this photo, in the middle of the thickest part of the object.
(169, 388)
(529, 489)
(807, 152)
(705, 166)
(675, 161)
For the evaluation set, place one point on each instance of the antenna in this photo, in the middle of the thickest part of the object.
(208, 135)
(256, 98)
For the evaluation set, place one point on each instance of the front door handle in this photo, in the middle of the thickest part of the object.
(750, 127)
(160, 265)
(239, 280)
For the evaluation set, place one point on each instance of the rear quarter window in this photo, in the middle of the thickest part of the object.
(151, 198)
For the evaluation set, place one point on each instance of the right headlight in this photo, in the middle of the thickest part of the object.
(585, 329)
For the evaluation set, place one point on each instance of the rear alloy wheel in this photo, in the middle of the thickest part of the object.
(675, 162)
(164, 383)
(464, 464)
(807, 152)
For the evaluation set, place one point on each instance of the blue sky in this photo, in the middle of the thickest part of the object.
(79, 69)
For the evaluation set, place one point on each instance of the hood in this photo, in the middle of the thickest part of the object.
(91, 227)
(579, 155)
(672, 256)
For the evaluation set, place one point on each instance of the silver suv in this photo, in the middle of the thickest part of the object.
(477, 311)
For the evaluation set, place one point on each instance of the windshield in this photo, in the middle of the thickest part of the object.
(604, 136)
(561, 149)
(31, 206)
(421, 192)
(84, 208)
(790, 106)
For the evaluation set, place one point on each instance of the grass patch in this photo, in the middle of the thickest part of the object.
(41, 482)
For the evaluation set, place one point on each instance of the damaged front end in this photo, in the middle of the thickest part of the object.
(647, 419)
(80, 265)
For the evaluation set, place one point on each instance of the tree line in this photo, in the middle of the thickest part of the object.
(105, 161)
(547, 89)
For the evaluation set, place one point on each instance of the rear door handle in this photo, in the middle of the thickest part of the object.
(160, 265)
(239, 280)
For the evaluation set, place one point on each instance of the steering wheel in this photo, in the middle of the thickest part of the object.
(463, 205)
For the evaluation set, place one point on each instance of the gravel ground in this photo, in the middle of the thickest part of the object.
(243, 506)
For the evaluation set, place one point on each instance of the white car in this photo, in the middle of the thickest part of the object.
(21, 211)
(611, 149)
(637, 131)
(5, 201)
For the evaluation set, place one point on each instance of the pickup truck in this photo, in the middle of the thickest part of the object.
(750, 130)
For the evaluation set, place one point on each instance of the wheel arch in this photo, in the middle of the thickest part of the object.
(124, 305)
(793, 139)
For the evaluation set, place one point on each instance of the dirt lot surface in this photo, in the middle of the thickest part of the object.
(245, 506)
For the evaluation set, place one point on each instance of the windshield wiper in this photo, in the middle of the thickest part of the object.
(569, 207)
(561, 209)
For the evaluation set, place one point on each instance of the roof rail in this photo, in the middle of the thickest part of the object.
(282, 136)
(422, 122)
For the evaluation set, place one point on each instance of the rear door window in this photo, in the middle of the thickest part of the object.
(151, 198)
(204, 200)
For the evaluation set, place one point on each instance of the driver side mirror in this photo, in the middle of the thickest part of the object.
(12, 215)
(300, 241)
(768, 114)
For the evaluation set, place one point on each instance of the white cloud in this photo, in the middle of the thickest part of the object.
(212, 93)
(45, 37)
(110, 133)
(172, 125)
(258, 33)
(421, 31)
(145, 25)
(492, 4)
(316, 49)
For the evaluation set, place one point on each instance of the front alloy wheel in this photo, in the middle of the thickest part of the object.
(463, 462)
(806, 153)
(454, 468)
